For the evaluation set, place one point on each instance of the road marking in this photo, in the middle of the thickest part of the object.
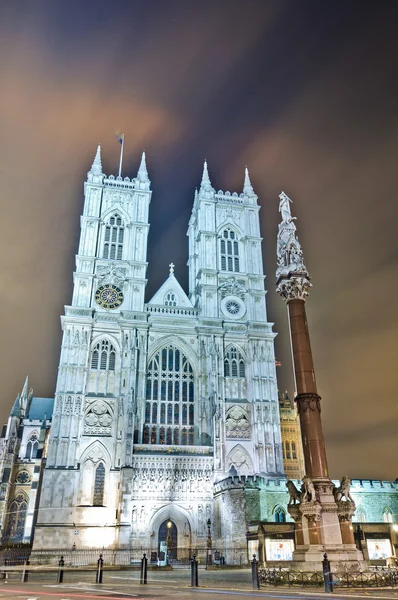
(86, 589)
(118, 596)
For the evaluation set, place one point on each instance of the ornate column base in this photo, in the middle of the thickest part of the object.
(324, 525)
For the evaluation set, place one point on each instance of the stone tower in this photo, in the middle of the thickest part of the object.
(226, 285)
(99, 382)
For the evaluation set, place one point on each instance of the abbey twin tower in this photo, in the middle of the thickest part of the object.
(157, 403)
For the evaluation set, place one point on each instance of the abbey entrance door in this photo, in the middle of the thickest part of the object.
(168, 534)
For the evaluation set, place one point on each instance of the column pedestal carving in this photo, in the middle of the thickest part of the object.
(324, 525)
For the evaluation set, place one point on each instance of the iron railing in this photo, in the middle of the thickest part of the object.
(127, 557)
(383, 577)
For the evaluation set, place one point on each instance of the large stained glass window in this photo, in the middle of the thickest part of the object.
(17, 510)
(99, 485)
(170, 393)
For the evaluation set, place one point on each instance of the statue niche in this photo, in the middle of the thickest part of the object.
(98, 418)
(237, 423)
(240, 459)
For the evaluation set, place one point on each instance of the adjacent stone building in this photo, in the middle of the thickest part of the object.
(23, 448)
(292, 449)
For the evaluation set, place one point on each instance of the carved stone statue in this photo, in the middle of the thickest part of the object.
(294, 493)
(307, 490)
(343, 490)
(111, 274)
(284, 207)
(293, 280)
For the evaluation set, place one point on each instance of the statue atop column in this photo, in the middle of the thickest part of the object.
(292, 277)
(321, 517)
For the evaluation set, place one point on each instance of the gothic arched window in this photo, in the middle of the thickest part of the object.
(114, 237)
(279, 515)
(170, 299)
(229, 251)
(17, 510)
(360, 515)
(99, 485)
(103, 357)
(387, 515)
(287, 446)
(170, 394)
(294, 452)
(32, 447)
(234, 365)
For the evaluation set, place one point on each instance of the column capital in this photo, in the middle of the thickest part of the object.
(345, 510)
(307, 401)
(294, 287)
(311, 510)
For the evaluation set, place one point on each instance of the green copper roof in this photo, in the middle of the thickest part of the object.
(40, 408)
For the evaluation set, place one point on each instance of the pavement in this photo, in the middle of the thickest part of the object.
(225, 584)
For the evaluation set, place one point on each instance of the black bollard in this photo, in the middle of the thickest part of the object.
(194, 572)
(327, 575)
(60, 574)
(255, 578)
(25, 572)
(100, 563)
(144, 569)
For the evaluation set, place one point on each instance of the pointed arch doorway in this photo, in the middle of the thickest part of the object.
(168, 535)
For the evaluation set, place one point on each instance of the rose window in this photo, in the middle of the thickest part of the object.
(232, 307)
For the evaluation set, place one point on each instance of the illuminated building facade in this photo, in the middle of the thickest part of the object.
(156, 401)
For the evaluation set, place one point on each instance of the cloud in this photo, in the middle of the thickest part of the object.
(305, 98)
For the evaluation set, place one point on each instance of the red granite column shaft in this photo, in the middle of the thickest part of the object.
(298, 533)
(313, 531)
(308, 401)
(347, 532)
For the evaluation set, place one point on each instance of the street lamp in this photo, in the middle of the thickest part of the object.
(168, 539)
(209, 544)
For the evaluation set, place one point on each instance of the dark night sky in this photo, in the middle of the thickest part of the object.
(305, 93)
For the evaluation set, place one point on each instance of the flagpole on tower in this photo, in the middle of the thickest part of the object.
(120, 137)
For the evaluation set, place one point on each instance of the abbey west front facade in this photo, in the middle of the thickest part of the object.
(154, 402)
(167, 411)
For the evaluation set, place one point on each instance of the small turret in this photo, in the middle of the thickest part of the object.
(26, 396)
(142, 174)
(205, 184)
(16, 407)
(247, 186)
(95, 174)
